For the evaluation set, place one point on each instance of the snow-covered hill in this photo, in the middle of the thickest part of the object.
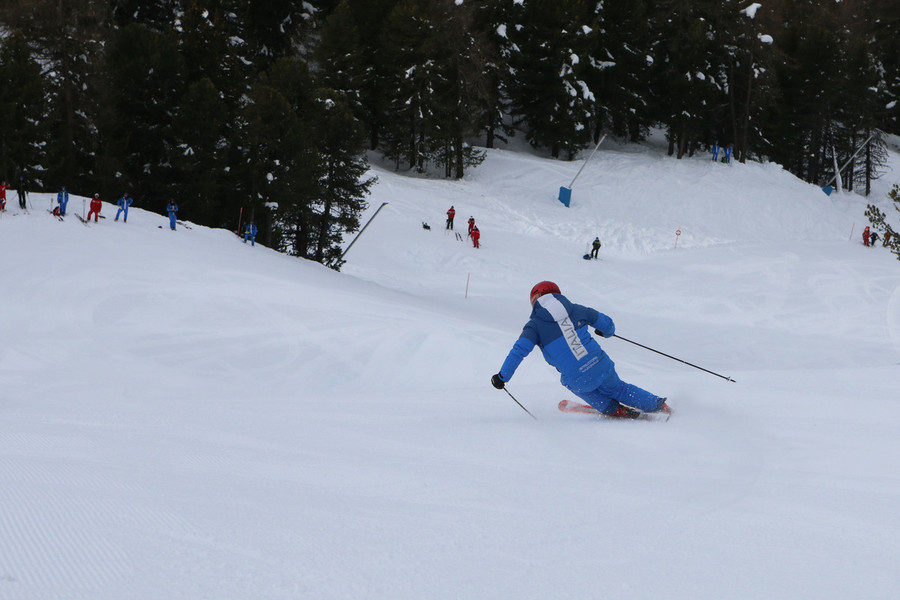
(184, 416)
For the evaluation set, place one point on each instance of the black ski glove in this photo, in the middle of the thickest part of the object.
(497, 382)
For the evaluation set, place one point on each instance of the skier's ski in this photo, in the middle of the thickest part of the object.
(82, 219)
(577, 407)
(183, 224)
(57, 216)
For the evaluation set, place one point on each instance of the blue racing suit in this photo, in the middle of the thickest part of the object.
(172, 209)
(560, 329)
(250, 232)
(124, 202)
(63, 198)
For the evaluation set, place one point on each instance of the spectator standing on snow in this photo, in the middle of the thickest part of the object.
(476, 235)
(727, 158)
(172, 209)
(887, 238)
(715, 151)
(560, 329)
(250, 232)
(62, 198)
(123, 203)
(595, 247)
(873, 237)
(96, 207)
(3, 187)
(471, 225)
(866, 235)
(450, 215)
(23, 194)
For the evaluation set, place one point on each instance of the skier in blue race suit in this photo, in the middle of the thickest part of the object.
(250, 232)
(560, 329)
(63, 198)
(172, 209)
(124, 202)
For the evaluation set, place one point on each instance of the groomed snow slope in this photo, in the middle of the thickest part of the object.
(183, 416)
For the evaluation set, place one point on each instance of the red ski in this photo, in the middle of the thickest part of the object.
(569, 406)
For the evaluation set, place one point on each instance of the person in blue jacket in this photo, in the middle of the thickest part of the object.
(250, 232)
(124, 202)
(172, 209)
(560, 329)
(62, 198)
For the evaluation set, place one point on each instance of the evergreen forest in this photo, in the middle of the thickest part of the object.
(270, 109)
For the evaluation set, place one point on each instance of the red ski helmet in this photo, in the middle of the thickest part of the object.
(544, 287)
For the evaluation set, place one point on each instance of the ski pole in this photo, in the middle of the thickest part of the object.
(519, 403)
(673, 358)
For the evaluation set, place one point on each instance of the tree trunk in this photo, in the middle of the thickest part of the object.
(743, 142)
(868, 169)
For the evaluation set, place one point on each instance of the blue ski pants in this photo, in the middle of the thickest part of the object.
(613, 391)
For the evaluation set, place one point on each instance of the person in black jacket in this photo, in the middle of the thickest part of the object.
(23, 194)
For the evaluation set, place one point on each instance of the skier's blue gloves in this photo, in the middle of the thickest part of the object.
(497, 382)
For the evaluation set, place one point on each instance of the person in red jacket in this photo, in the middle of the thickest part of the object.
(866, 235)
(450, 214)
(96, 207)
(3, 187)
(471, 225)
(476, 235)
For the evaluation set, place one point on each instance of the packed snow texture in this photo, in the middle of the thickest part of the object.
(185, 416)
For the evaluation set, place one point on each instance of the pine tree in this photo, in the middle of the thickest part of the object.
(339, 58)
(881, 27)
(157, 15)
(208, 156)
(831, 99)
(857, 116)
(746, 74)
(21, 111)
(799, 129)
(199, 158)
(209, 39)
(622, 67)
(455, 71)
(370, 17)
(404, 68)
(489, 23)
(147, 82)
(273, 28)
(67, 37)
(282, 166)
(342, 187)
(880, 223)
(549, 93)
(686, 62)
